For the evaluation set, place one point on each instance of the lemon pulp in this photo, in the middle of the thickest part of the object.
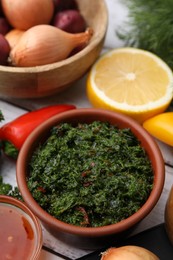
(131, 81)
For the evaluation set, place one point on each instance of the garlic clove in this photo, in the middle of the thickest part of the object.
(45, 44)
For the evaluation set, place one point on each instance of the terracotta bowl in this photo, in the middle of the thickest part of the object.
(90, 237)
(40, 81)
(22, 233)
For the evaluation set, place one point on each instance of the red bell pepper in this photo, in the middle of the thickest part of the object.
(14, 133)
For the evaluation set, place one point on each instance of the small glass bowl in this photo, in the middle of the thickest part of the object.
(20, 231)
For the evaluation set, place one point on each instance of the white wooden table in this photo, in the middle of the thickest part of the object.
(76, 95)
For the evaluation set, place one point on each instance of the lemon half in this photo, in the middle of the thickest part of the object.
(131, 81)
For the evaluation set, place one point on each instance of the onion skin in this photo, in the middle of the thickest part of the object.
(45, 44)
(13, 37)
(128, 253)
(169, 216)
(22, 14)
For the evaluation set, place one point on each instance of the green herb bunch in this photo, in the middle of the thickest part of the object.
(1, 116)
(6, 188)
(150, 27)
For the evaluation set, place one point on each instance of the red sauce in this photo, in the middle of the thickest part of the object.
(16, 235)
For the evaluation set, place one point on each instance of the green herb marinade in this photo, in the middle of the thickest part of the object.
(90, 174)
(149, 26)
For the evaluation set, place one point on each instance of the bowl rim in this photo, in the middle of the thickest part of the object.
(121, 226)
(8, 200)
(96, 38)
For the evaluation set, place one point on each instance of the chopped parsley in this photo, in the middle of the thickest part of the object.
(90, 174)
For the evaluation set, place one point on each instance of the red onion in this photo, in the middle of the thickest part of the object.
(65, 4)
(4, 50)
(70, 21)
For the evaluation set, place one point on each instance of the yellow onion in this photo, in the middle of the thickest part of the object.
(22, 14)
(169, 215)
(13, 37)
(45, 44)
(129, 252)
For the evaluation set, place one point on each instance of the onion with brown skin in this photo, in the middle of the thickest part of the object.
(45, 44)
(129, 252)
(169, 216)
(23, 14)
(13, 37)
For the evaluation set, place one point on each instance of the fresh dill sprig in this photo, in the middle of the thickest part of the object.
(150, 27)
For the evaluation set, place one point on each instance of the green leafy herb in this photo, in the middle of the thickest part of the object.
(150, 27)
(90, 174)
(7, 189)
(15, 193)
(9, 149)
(1, 116)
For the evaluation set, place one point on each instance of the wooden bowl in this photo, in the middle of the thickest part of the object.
(90, 237)
(40, 81)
